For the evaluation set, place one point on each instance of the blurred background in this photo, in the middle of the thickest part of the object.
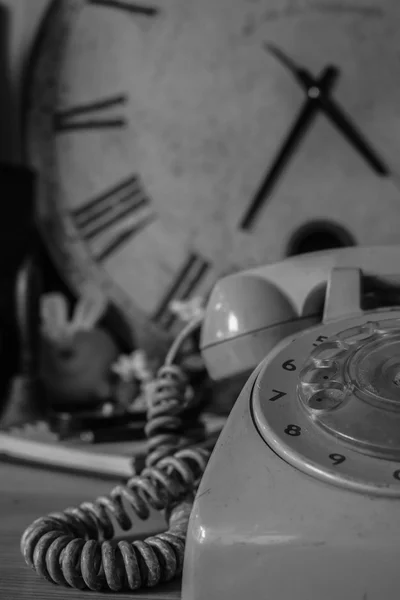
(306, 220)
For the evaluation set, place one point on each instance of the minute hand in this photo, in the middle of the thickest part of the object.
(339, 118)
(331, 109)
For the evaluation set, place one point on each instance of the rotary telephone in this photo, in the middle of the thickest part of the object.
(300, 496)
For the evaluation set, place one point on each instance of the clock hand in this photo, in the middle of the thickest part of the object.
(353, 135)
(332, 111)
(303, 76)
(305, 118)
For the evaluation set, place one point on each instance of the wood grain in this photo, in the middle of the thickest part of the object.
(27, 493)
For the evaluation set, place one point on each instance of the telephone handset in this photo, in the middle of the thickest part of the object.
(301, 495)
(250, 312)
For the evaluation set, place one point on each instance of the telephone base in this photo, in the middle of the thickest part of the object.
(261, 528)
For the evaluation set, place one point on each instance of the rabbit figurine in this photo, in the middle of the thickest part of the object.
(76, 354)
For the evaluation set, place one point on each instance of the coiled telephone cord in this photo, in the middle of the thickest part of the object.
(172, 417)
(72, 548)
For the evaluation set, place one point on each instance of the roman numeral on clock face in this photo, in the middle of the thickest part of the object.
(128, 6)
(185, 284)
(108, 211)
(100, 114)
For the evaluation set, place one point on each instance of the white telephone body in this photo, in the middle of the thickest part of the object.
(301, 495)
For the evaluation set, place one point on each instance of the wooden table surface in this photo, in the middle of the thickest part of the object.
(27, 493)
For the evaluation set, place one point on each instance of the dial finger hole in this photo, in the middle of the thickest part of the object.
(324, 375)
(325, 400)
(358, 334)
(323, 354)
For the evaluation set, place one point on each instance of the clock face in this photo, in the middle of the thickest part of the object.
(179, 140)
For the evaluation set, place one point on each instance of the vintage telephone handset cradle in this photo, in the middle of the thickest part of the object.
(301, 495)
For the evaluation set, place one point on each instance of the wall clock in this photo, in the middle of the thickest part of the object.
(176, 140)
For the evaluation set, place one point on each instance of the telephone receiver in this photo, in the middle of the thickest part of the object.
(301, 495)
(249, 312)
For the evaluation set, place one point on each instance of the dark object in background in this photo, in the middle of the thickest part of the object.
(26, 400)
(10, 139)
(96, 427)
(17, 238)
